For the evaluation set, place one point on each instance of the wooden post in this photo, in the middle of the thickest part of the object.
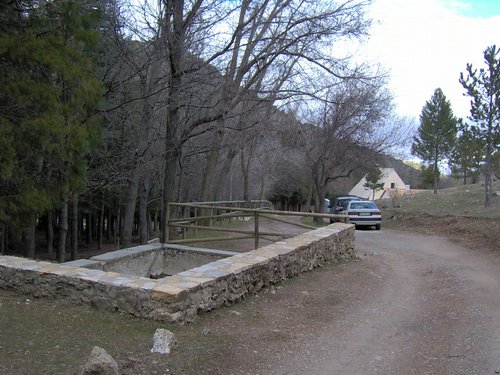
(256, 234)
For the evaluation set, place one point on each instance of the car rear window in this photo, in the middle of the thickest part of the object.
(363, 206)
(342, 201)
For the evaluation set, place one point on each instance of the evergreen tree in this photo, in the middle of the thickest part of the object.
(484, 89)
(495, 161)
(436, 133)
(373, 178)
(466, 155)
(429, 176)
(49, 95)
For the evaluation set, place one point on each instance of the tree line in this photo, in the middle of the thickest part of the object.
(110, 110)
(469, 147)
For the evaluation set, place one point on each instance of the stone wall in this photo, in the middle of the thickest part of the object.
(181, 296)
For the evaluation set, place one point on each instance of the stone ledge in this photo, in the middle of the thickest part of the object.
(181, 296)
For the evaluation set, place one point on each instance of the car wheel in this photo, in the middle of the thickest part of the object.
(377, 227)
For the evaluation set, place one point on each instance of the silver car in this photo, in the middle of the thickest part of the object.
(363, 213)
(338, 206)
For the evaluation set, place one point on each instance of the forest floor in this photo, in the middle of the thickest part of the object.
(422, 298)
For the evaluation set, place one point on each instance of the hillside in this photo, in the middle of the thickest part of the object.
(456, 212)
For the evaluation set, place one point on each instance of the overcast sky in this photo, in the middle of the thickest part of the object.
(425, 44)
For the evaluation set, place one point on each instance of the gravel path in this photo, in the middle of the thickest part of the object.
(412, 305)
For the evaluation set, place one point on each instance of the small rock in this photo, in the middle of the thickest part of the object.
(163, 341)
(99, 363)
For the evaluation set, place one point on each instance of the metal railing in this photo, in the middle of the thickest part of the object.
(202, 215)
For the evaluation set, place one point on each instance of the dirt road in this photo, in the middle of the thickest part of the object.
(412, 305)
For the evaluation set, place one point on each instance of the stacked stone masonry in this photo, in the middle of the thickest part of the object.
(180, 297)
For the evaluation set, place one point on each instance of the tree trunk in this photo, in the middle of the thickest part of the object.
(171, 162)
(88, 228)
(81, 226)
(117, 221)
(155, 222)
(109, 220)
(309, 196)
(173, 44)
(320, 193)
(143, 211)
(101, 226)
(50, 233)
(262, 187)
(436, 175)
(63, 231)
(116, 241)
(487, 174)
(129, 210)
(3, 235)
(207, 183)
(74, 228)
(5, 238)
(226, 167)
(245, 170)
(29, 236)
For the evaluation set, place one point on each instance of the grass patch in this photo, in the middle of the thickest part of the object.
(467, 200)
(41, 336)
(56, 339)
(456, 212)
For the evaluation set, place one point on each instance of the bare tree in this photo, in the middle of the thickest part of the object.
(271, 35)
(344, 134)
(272, 50)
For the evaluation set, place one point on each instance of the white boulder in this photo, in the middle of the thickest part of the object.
(163, 341)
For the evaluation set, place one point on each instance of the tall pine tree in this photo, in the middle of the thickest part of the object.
(484, 89)
(466, 155)
(436, 133)
(49, 94)
(373, 180)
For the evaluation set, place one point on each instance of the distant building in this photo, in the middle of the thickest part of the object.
(393, 184)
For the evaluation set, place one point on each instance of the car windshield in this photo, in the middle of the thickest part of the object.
(363, 206)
